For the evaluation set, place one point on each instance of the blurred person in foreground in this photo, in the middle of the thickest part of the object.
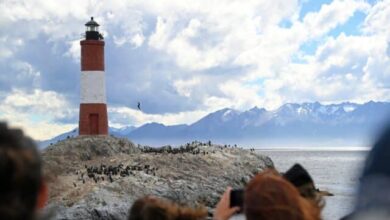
(373, 199)
(152, 208)
(22, 189)
(269, 196)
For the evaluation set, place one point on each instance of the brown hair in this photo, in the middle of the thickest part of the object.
(20, 174)
(268, 196)
(152, 208)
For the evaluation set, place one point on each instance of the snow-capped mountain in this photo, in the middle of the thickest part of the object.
(332, 124)
(121, 132)
(345, 123)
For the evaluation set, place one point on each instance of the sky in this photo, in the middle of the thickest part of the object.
(184, 59)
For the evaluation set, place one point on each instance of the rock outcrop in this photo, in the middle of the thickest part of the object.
(100, 177)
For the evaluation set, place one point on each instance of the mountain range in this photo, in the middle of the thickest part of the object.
(306, 124)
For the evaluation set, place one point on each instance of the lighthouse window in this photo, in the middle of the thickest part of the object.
(92, 28)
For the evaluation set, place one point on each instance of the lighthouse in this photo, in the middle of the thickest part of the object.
(93, 108)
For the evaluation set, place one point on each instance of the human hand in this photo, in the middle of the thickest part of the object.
(223, 211)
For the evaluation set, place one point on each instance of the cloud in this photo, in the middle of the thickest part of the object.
(377, 20)
(184, 87)
(74, 50)
(340, 70)
(123, 116)
(37, 113)
(330, 15)
(206, 37)
(127, 26)
(183, 58)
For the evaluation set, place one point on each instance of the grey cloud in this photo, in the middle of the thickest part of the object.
(58, 72)
(388, 49)
(132, 75)
(143, 75)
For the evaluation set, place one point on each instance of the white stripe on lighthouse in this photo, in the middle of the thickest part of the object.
(93, 88)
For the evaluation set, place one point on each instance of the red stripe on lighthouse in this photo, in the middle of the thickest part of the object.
(93, 119)
(92, 55)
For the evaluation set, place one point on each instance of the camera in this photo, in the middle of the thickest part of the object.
(237, 198)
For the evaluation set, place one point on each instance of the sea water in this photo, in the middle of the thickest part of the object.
(336, 171)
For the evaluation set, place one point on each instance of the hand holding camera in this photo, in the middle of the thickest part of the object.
(224, 210)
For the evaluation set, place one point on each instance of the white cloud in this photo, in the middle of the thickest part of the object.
(36, 112)
(340, 70)
(331, 15)
(184, 87)
(74, 50)
(131, 26)
(137, 40)
(159, 38)
(219, 53)
(242, 96)
(25, 71)
(377, 20)
(9, 46)
(123, 116)
(218, 33)
(39, 101)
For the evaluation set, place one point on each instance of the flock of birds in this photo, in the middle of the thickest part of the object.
(109, 173)
(191, 148)
(180, 150)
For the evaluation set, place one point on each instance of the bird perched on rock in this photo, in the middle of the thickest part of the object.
(91, 175)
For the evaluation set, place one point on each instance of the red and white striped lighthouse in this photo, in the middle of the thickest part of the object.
(93, 109)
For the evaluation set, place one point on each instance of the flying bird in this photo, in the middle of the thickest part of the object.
(139, 106)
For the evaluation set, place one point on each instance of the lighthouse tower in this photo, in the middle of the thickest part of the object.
(93, 109)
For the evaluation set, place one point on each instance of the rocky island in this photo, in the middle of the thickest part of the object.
(95, 177)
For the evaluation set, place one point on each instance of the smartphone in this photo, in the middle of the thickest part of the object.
(237, 198)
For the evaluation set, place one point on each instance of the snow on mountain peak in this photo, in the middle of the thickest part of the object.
(227, 114)
(302, 111)
(349, 108)
(343, 120)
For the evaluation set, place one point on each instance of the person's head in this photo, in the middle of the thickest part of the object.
(152, 208)
(269, 196)
(301, 179)
(373, 201)
(22, 190)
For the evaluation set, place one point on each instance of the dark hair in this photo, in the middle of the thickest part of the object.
(20, 174)
(152, 208)
(268, 196)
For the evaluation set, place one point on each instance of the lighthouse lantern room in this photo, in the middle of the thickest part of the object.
(93, 109)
